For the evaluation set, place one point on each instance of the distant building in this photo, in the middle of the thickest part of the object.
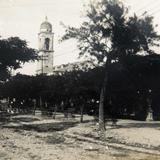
(46, 51)
(84, 65)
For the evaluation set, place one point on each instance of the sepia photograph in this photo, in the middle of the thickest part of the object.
(79, 80)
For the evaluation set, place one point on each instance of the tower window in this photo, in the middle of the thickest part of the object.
(47, 40)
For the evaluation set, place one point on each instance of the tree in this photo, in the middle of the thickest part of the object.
(128, 95)
(111, 35)
(13, 53)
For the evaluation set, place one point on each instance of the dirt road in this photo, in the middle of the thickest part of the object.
(36, 138)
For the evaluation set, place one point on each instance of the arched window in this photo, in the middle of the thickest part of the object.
(47, 43)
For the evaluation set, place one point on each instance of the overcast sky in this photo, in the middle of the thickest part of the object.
(22, 18)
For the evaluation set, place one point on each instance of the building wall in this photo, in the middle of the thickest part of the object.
(45, 64)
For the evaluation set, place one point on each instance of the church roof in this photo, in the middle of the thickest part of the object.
(46, 26)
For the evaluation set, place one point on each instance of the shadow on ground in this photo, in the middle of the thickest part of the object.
(44, 127)
(137, 125)
(24, 119)
(16, 119)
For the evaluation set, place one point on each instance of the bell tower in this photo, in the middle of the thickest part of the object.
(46, 51)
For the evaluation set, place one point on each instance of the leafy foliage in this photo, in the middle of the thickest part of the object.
(129, 88)
(111, 35)
(110, 31)
(13, 53)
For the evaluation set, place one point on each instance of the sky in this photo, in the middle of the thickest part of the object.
(23, 18)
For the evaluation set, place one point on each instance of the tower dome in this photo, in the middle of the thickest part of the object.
(46, 26)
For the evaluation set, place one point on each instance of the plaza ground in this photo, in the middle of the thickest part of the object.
(28, 137)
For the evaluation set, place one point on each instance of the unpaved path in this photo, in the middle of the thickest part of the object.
(34, 138)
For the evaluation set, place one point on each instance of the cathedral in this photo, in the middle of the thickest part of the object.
(45, 48)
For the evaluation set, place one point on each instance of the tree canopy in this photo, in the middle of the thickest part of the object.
(13, 53)
(128, 91)
(109, 30)
(110, 34)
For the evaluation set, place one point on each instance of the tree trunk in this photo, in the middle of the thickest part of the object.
(34, 107)
(101, 103)
(101, 109)
(55, 112)
(40, 102)
(81, 110)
